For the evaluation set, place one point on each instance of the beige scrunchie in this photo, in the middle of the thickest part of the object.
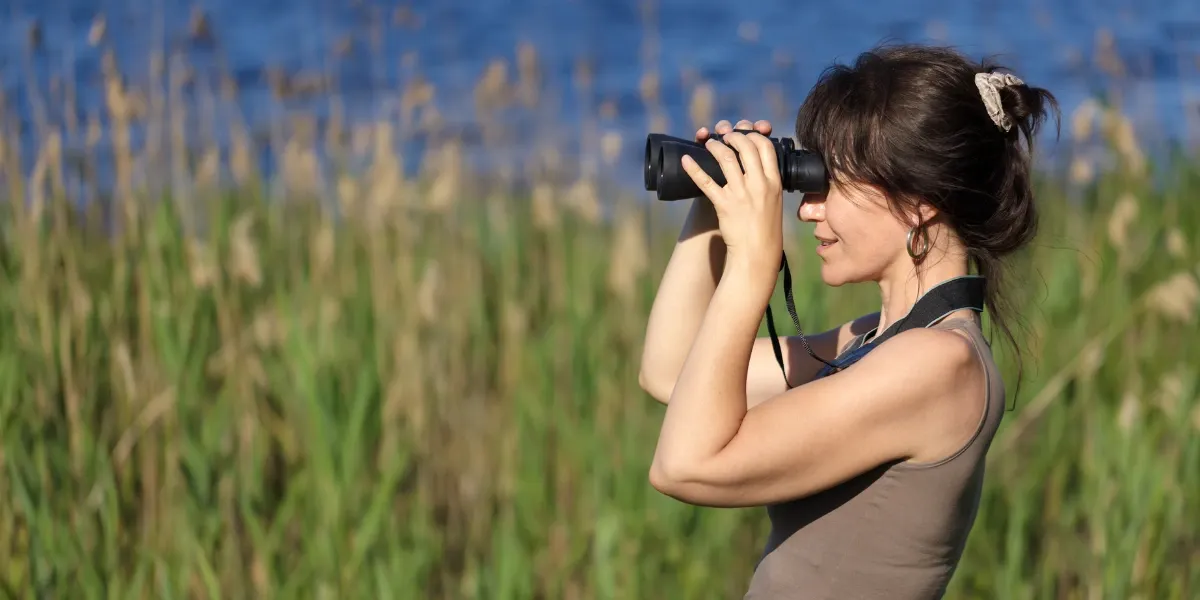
(989, 85)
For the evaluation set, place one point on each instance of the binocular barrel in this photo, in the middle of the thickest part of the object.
(800, 170)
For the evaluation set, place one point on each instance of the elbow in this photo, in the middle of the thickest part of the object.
(663, 480)
(670, 478)
(654, 386)
(698, 484)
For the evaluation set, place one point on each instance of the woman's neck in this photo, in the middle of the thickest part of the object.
(900, 291)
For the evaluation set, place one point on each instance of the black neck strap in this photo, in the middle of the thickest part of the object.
(966, 292)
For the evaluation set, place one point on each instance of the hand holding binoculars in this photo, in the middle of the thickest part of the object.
(800, 170)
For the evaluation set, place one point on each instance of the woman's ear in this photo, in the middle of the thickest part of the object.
(923, 214)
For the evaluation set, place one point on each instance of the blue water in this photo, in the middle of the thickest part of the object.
(741, 48)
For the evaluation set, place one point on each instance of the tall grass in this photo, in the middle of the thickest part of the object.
(426, 387)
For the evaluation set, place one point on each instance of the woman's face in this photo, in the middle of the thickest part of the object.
(858, 237)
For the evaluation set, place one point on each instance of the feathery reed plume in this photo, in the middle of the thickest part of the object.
(1176, 298)
(701, 107)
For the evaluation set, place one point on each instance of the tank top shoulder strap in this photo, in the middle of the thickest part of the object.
(966, 324)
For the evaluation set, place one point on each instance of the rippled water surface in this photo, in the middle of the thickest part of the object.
(759, 56)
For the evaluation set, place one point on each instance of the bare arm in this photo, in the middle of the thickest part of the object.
(683, 295)
(713, 451)
(687, 287)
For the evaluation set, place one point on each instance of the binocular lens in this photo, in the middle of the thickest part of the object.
(800, 170)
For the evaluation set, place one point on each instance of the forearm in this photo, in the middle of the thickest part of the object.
(687, 285)
(709, 399)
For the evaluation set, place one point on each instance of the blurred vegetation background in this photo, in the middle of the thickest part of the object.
(231, 369)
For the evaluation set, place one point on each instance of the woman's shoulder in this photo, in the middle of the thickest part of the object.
(947, 380)
(936, 351)
(927, 368)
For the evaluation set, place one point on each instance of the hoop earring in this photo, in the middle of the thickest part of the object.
(908, 244)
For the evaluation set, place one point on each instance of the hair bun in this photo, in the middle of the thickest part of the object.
(1020, 104)
(1017, 101)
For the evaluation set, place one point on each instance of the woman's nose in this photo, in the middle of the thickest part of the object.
(812, 208)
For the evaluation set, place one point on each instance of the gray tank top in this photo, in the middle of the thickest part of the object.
(894, 532)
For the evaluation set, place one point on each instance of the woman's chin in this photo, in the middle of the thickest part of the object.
(832, 276)
(835, 277)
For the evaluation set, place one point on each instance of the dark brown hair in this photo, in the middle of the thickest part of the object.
(909, 121)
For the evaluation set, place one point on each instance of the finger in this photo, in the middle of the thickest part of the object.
(763, 126)
(701, 134)
(751, 163)
(744, 124)
(723, 127)
(702, 180)
(729, 163)
(767, 158)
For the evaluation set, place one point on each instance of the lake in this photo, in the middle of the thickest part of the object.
(759, 57)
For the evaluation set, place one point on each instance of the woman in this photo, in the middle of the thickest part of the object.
(871, 470)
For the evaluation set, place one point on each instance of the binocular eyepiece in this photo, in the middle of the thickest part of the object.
(800, 170)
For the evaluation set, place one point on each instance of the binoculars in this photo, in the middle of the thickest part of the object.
(800, 170)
